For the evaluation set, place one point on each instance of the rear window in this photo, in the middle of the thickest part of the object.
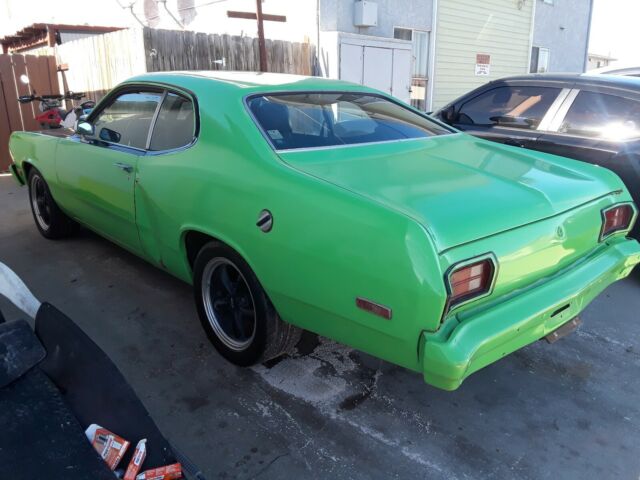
(308, 120)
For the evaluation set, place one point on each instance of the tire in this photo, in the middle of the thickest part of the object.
(51, 222)
(235, 311)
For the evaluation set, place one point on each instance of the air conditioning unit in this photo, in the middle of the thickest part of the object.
(365, 14)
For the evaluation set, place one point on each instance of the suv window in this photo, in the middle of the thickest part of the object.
(603, 116)
(513, 107)
(126, 120)
(175, 126)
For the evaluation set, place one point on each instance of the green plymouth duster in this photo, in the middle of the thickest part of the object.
(296, 203)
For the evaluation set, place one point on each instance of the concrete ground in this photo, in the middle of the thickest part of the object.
(569, 410)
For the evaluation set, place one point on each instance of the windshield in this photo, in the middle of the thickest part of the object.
(308, 120)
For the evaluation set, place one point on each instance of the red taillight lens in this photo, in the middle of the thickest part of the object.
(616, 219)
(470, 281)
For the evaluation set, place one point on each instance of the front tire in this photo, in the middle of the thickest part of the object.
(235, 311)
(51, 222)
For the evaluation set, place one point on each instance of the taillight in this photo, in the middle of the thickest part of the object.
(470, 281)
(616, 219)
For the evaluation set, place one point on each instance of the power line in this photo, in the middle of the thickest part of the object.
(212, 2)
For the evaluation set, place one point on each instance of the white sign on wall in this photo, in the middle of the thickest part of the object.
(483, 64)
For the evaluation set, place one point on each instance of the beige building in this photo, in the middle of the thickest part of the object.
(476, 42)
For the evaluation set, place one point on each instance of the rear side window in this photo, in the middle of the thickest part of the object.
(603, 116)
(513, 107)
(126, 120)
(175, 126)
(307, 120)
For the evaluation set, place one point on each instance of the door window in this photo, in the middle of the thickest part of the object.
(175, 126)
(126, 120)
(539, 60)
(513, 107)
(420, 68)
(604, 116)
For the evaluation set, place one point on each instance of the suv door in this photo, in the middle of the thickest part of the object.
(507, 114)
(98, 171)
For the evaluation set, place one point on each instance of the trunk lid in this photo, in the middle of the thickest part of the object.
(460, 188)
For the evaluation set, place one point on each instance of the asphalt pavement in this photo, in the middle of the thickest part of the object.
(570, 410)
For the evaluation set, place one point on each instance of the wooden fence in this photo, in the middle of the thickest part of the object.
(43, 79)
(179, 50)
(96, 64)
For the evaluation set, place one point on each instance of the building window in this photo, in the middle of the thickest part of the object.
(403, 33)
(539, 60)
(420, 52)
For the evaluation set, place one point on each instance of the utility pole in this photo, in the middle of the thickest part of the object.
(262, 46)
(261, 18)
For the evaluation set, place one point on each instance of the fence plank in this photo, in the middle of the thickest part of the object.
(13, 115)
(5, 131)
(10, 93)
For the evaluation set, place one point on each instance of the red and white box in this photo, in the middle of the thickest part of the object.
(135, 464)
(110, 446)
(168, 472)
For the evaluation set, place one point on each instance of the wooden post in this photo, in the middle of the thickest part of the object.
(261, 43)
(261, 18)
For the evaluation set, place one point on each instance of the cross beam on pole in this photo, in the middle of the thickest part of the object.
(261, 18)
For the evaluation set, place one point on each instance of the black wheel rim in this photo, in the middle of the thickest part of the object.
(40, 203)
(228, 304)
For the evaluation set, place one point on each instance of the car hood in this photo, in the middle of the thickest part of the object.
(459, 187)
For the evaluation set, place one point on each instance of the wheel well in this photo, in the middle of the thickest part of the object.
(194, 241)
(26, 168)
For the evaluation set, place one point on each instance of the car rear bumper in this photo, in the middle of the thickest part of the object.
(520, 320)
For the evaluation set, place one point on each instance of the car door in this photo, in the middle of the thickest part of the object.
(161, 176)
(98, 171)
(509, 114)
(595, 126)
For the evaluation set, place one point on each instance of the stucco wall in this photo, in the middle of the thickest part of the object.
(338, 15)
(563, 28)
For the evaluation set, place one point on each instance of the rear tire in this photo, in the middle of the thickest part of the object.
(235, 311)
(51, 222)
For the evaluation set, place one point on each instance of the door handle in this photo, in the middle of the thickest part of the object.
(124, 166)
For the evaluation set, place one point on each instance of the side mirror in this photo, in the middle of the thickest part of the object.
(85, 128)
(449, 114)
(109, 135)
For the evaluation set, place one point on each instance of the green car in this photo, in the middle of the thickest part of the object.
(296, 203)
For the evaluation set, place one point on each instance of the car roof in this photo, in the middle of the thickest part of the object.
(247, 82)
(617, 81)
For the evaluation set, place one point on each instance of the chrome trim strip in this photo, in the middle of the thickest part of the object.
(555, 125)
(154, 119)
(332, 147)
(553, 110)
